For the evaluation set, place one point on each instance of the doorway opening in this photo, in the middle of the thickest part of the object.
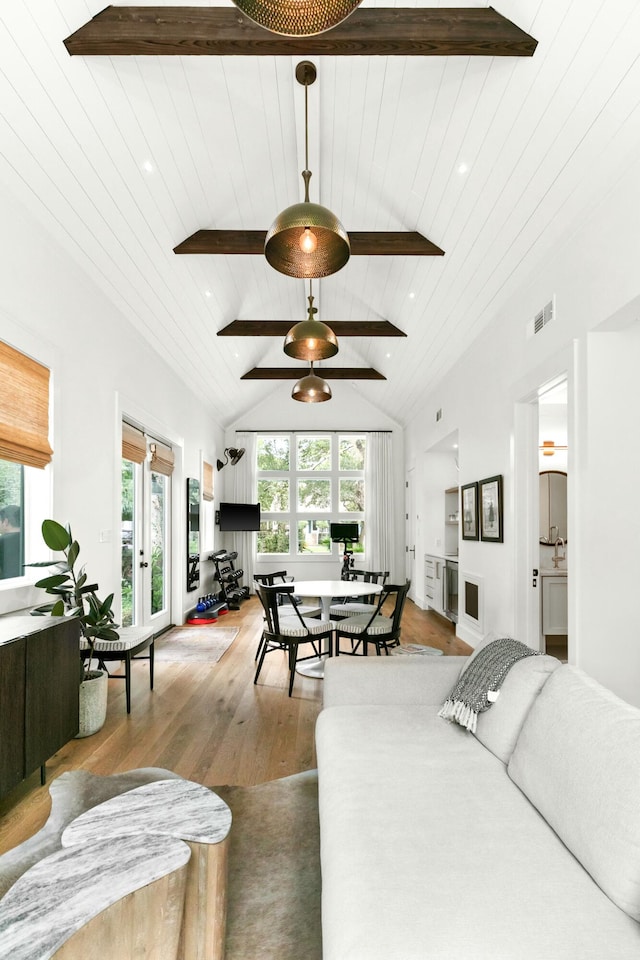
(553, 535)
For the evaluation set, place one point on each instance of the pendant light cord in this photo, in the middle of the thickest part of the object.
(306, 173)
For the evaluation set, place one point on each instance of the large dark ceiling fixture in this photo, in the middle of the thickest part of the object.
(311, 339)
(307, 239)
(297, 18)
(311, 389)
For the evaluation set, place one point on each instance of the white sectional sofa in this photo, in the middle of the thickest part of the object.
(518, 842)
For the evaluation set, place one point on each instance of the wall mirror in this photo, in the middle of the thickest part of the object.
(193, 533)
(553, 506)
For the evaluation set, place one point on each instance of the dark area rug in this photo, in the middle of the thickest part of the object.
(274, 870)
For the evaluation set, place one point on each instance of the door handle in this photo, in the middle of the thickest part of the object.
(144, 564)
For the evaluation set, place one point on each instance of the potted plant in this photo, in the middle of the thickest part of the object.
(77, 598)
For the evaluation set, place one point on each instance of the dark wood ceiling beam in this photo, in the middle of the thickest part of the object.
(280, 328)
(401, 243)
(222, 31)
(327, 373)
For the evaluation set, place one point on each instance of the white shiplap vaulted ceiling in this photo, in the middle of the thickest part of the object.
(492, 159)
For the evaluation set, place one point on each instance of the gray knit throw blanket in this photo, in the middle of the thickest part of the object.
(478, 686)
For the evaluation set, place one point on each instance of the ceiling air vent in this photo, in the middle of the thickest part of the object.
(542, 317)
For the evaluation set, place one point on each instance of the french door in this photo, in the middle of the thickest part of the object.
(146, 546)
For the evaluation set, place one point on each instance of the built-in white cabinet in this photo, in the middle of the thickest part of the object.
(434, 582)
(451, 521)
(554, 606)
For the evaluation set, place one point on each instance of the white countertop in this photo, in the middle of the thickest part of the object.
(12, 628)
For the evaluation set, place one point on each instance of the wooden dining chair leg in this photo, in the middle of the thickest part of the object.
(293, 656)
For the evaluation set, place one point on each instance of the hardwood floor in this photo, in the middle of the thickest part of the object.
(206, 721)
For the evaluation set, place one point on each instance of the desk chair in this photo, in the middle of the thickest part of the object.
(350, 607)
(289, 632)
(381, 630)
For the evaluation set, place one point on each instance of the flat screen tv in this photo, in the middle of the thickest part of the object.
(344, 532)
(239, 516)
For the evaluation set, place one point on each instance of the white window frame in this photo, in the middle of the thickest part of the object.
(293, 515)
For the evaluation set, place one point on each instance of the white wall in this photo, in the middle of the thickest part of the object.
(594, 275)
(607, 622)
(101, 367)
(347, 410)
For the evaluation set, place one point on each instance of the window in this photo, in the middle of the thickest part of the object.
(11, 520)
(306, 481)
(24, 453)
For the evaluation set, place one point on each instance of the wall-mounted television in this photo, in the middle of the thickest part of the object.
(344, 532)
(239, 516)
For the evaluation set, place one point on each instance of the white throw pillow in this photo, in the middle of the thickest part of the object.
(578, 761)
(498, 728)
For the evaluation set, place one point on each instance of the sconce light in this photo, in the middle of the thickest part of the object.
(548, 448)
(232, 455)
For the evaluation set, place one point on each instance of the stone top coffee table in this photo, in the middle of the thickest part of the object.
(100, 900)
(183, 810)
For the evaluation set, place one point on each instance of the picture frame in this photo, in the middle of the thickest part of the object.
(469, 511)
(491, 512)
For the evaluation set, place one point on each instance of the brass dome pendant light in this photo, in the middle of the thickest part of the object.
(311, 389)
(297, 18)
(311, 339)
(307, 240)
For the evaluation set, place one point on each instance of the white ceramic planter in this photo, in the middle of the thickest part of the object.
(93, 703)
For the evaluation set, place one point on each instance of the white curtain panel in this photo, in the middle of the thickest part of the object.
(245, 490)
(379, 516)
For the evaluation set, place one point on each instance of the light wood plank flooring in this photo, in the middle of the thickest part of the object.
(206, 721)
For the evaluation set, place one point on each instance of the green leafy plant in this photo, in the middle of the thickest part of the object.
(74, 596)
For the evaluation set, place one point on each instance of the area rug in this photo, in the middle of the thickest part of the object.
(194, 644)
(273, 909)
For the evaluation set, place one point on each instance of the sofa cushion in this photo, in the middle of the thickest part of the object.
(498, 727)
(430, 851)
(577, 759)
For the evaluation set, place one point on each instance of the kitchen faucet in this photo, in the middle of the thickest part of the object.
(556, 557)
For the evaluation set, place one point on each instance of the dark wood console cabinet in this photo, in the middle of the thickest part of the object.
(39, 681)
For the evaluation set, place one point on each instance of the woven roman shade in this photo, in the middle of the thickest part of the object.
(207, 481)
(24, 409)
(162, 458)
(134, 444)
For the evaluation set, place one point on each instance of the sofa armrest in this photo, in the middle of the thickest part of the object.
(369, 681)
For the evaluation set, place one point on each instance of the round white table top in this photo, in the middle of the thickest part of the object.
(335, 588)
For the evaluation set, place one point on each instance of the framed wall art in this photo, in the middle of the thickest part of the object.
(469, 507)
(490, 497)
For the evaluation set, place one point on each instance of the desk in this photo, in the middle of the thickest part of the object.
(326, 590)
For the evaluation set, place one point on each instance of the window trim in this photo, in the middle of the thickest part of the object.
(294, 515)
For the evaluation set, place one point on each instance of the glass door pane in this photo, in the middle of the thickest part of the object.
(128, 542)
(145, 546)
(158, 531)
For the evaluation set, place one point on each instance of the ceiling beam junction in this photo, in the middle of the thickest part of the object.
(327, 373)
(369, 31)
(280, 328)
(400, 243)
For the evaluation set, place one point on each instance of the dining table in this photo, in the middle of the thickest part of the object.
(326, 590)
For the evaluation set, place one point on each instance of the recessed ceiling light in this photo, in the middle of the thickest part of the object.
(207, 293)
(148, 167)
(455, 446)
(412, 295)
(463, 167)
(237, 356)
(387, 355)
